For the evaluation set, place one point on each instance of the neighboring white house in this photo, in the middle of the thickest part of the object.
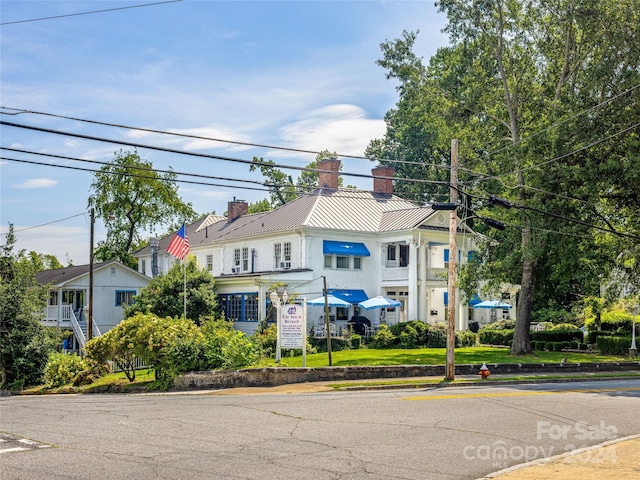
(366, 243)
(114, 285)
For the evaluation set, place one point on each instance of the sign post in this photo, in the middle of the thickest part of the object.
(293, 328)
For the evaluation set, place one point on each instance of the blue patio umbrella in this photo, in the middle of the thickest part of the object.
(492, 304)
(378, 302)
(332, 301)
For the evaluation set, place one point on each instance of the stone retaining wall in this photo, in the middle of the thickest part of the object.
(270, 377)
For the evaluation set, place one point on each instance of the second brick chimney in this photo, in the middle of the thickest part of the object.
(236, 208)
(328, 179)
(381, 184)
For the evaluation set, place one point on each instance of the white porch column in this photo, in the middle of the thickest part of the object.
(412, 312)
(423, 303)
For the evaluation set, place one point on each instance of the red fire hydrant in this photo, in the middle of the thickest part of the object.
(484, 371)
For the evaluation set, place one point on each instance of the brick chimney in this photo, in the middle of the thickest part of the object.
(236, 209)
(328, 179)
(380, 184)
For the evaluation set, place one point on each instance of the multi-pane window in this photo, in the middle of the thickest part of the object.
(124, 297)
(397, 255)
(53, 298)
(328, 261)
(240, 307)
(357, 263)
(342, 261)
(277, 254)
(209, 263)
(282, 255)
(245, 259)
(143, 267)
(236, 257)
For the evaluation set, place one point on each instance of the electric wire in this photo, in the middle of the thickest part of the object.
(88, 13)
(557, 124)
(45, 224)
(18, 111)
(206, 155)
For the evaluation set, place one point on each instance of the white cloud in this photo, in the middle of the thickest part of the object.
(191, 144)
(66, 243)
(341, 128)
(37, 183)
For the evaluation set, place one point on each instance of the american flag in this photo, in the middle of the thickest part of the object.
(179, 246)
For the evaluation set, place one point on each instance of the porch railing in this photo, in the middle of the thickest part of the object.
(78, 330)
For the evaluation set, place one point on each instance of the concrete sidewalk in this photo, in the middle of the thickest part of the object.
(614, 460)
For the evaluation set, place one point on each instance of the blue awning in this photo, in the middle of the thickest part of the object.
(330, 247)
(351, 296)
(474, 300)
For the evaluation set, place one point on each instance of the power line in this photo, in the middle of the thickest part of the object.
(124, 174)
(19, 111)
(133, 167)
(300, 189)
(210, 156)
(592, 144)
(45, 224)
(88, 13)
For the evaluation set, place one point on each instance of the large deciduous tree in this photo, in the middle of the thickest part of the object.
(543, 97)
(25, 344)
(132, 198)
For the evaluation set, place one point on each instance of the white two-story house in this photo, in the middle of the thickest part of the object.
(114, 286)
(366, 243)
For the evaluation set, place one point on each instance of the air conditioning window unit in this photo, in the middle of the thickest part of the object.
(285, 264)
(235, 270)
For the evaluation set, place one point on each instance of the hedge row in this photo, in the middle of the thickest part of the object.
(609, 345)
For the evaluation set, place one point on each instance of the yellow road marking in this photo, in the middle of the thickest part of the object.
(518, 394)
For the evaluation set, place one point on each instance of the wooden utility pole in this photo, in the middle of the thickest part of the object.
(327, 320)
(90, 315)
(453, 253)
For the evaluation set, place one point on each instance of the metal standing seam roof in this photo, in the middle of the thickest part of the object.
(343, 209)
(404, 219)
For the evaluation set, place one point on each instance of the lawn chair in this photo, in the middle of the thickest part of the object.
(319, 331)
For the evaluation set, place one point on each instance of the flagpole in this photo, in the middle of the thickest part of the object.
(184, 264)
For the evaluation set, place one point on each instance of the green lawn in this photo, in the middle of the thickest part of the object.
(437, 356)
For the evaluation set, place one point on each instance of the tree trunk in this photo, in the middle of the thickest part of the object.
(521, 344)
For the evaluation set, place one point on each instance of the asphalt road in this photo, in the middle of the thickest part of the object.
(440, 433)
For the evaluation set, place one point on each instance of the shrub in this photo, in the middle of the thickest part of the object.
(507, 324)
(614, 345)
(548, 346)
(61, 369)
(409, 337)
(538, 345)
(267, 340)
(383, 338)
(554, 335)
(466, 339)
(573, 345)
(356, 341)
(417, 331)
(337, 344)
(592, 337)
(437, 336)
(612, 321)
(583, 346)
(227, 348)
(570, 327)
(495, 337)
(558, 346)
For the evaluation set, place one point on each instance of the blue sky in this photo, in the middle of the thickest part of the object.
(299, 74)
